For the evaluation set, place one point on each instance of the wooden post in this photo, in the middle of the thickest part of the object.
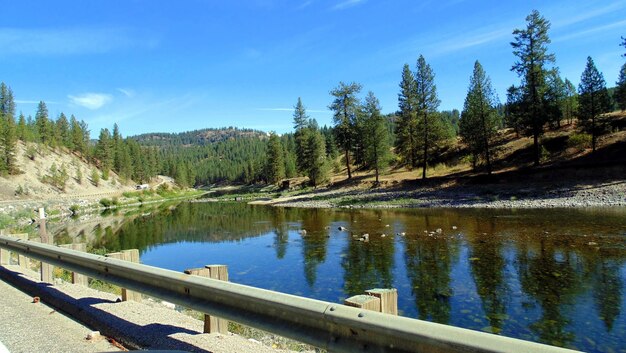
(22, 260)
(131, 255)
(5, 255)
(46, 269)
(363, 301)
(212, 324)
(77, 278)
(388, 299)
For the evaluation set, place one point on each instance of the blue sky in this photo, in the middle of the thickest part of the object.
(171, 66)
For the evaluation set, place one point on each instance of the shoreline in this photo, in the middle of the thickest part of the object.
(611, 194)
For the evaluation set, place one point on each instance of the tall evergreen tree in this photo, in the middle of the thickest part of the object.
(570, 104)
(593, 99)
(301, 124)
(554, 97)
(429, 122)
(63, 131)
(345, 107)
(104, 152)
(479, 119)
(318, 164)
(77, 136)
(377, 138)
(44, 135)
(514, 113)
(275, 169)
(620, 90)
(8, 133)
(22, 129)
(530, 46)
(406, 126)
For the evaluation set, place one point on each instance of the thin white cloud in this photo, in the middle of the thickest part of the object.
(127, 92)
(602, 28)
(68, 41)
(585, 14)
(346, 4)
(91, 101)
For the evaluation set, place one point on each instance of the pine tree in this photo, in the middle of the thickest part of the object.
(104, 152)
(479, 119)
(554, 96)
(593, 99)
(345, 107)
(530, 46)
(514, 113)
(22, 129)
(377, 139)
(95, 177)
(63, 131)
(300, 124)
(429, 124)
(42, 124)
(620, 90)
(570, 105)
(275, 168)
(406, 126)
(318, 164)
(8, 133)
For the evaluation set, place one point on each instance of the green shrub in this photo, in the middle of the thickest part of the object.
(106, 203)
(74, 209)
(579, 141)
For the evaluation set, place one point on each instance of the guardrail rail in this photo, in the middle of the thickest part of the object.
(335, 327)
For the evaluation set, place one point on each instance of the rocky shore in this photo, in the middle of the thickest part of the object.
(611, 194)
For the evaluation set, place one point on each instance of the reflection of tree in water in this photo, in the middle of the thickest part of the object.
(315, 222)
(191, 222)
(608, 291)
(487, 266)
(367, 265)
(281, 230)
(551, 278)
(428, 263)
(603, 274)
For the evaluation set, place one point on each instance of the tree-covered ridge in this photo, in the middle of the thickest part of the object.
(195, 137)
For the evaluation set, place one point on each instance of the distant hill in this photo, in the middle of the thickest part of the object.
(196, 137)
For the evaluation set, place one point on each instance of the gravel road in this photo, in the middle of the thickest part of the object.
(36, 327)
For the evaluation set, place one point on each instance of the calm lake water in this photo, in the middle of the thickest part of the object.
(551, 276)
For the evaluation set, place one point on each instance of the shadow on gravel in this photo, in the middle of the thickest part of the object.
(129, 334)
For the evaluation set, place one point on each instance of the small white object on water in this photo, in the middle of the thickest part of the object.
(342, 229)
(302, 232)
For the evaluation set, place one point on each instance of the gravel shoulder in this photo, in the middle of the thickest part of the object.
(146, 325)
(36, 327)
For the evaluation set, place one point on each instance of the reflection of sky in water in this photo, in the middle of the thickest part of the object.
(506, 255)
